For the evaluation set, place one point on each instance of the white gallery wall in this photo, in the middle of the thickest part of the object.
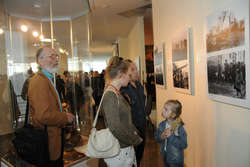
(133, 46)
(218, 133)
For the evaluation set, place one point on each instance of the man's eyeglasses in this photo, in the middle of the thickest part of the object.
(54, 56)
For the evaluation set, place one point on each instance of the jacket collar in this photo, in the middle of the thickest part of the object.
(47, 74)
(50, 84)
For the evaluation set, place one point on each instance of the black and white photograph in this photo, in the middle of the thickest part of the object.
(181, 62)
(180, 74)
(159, 67)
(226, 28)
(227, 74)
(227, 46)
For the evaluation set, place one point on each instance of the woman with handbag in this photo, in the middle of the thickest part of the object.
(117, 113)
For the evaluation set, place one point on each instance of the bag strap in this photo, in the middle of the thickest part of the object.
(27, 114)
(98, 110)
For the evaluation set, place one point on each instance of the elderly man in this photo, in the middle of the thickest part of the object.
(134, 92)
(45, 104)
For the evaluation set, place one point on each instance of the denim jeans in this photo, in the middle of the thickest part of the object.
(167, 164)
(175, 165)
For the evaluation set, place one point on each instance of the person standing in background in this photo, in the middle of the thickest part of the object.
(24, 93)
(60, 86)
(134, 93)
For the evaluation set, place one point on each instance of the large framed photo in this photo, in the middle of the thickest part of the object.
(159, 66)
(181, 61)
(227, 46)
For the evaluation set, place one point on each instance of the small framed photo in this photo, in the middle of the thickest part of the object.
(159, 66)
(181, 62)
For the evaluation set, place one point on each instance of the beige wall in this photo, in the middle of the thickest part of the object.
(133, 47)
(218, 134)
(123, 48)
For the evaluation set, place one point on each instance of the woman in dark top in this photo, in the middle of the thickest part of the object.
(117, 113)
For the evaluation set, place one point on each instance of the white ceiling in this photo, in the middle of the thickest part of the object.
(106, 25)
(40, 9)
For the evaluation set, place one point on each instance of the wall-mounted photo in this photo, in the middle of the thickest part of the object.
(227, 74)
(227, 42)
(181, 62)
(159, 66)
(226, 28)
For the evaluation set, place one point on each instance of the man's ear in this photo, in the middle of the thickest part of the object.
(39, 60)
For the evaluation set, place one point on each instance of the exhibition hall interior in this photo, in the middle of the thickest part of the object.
(190, 60)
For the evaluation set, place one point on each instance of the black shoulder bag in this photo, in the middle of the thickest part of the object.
(31, 143)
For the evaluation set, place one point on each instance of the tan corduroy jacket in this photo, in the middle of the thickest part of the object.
(45, 110)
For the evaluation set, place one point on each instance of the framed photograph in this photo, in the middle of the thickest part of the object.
(181, 62)
(227, 46)
(159, 66)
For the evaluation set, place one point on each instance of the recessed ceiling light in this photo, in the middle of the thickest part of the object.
(1, 31)
(24, 28)
(61, 50)
(41, 37)
(35, 33)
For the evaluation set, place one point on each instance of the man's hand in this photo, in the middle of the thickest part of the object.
(70, 117)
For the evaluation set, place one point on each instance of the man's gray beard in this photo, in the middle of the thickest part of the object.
(51, 70)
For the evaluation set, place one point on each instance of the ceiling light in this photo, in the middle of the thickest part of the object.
(35, 34)
(41, 37)
(24, 28)
(61, 50)
(47, 40)
(1, 31)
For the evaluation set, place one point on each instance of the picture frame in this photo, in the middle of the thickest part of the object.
(227, 48)
(182, 57)
(159, 66)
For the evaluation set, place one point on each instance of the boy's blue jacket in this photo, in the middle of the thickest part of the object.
(175, 144)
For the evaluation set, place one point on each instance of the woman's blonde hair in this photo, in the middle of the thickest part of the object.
(116, 64)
